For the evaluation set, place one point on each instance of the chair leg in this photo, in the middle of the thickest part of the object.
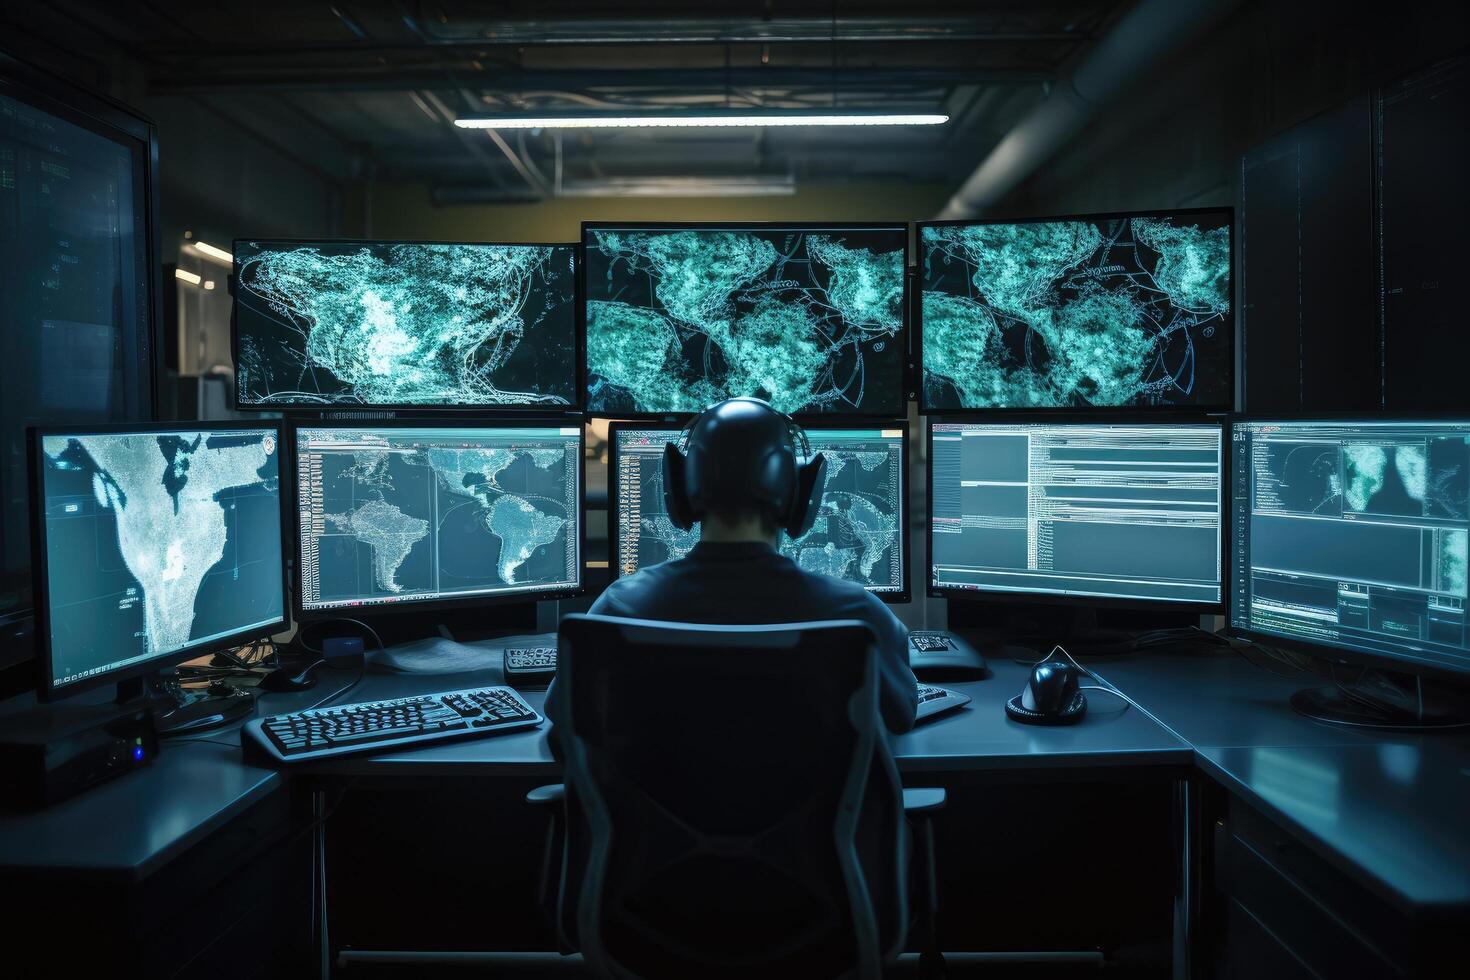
(550, 882)
(931, 960)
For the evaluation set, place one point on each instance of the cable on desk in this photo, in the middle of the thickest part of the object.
(1177, 636)
(362, 671)
(1101, 684)
(301, 633)
(1114, 693)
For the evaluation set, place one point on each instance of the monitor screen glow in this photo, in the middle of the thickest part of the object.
(1096, 512)
(405, 324)
(1354, 535)
(157, 541)
(857, 536)
(1134, 310)
(808, 318)
(397, 515)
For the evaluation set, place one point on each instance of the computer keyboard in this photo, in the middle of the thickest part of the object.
(938, 700)
(927, 642)
(530, 661)
(946, 653)
(320, 733)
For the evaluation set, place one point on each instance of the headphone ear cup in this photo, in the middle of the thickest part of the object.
(676, 490)
(806, 501)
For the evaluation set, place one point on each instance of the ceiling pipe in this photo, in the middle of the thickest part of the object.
(1142, 38)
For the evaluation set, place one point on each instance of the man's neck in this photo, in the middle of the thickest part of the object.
(751, 530)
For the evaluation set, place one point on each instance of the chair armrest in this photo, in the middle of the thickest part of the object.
(922, 800)
(552, 794)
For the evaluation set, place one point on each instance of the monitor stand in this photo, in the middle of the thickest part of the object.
(1387, 706)
(176, 710)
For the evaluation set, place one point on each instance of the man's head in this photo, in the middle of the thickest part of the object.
(743, 474)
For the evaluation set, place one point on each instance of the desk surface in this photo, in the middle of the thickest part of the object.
(1387, 809)
(133, 825)
(138, 822)
(977, 737)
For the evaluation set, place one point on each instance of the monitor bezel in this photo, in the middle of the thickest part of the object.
(28, 83)
(421, 410)
(303, 615)
(46, 688)
(916, 367)
(1218, 422)
(1338, 655)
(614, 535)
(901, 340)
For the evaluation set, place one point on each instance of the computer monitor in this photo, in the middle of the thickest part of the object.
(403, 515)
(1083, 513)
(154, 544)
(861, 533)
(1351, 535)
(331, 324)
(808, 317)
(1089, 312)
(80, 280)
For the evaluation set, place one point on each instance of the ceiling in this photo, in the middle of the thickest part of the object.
(369, 87)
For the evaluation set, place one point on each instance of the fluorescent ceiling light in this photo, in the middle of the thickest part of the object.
(753, 186)
(723, 121)
(218, 254)
(191, 278)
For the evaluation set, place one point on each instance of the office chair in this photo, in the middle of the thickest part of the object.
(724, 815)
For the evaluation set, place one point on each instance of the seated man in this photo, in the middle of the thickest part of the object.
(743, 481)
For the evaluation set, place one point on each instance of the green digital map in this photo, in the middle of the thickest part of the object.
(405, 324)
(809, 321)
(1454, 551)
(1116, 312)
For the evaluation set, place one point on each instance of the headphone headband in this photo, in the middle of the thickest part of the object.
(797, 501)
(798, 434)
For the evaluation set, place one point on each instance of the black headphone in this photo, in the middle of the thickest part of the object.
(738, 453)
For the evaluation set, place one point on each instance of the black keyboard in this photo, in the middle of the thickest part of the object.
(319, 733)
(521, 661)
(929, 642)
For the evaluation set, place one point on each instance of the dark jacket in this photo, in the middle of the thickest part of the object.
(755, 584)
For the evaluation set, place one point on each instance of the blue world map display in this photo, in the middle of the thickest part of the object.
(416, 514)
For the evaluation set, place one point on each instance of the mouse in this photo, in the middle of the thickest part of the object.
(1052, 695)
(282, 679)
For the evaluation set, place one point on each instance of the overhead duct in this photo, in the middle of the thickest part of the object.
(1147, 33)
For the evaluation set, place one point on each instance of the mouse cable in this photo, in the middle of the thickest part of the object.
(1101, 685)
(1109, 690)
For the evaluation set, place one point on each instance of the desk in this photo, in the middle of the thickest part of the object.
(1334, 851)
(979, 737)
(1384, 812)
(1388, 809)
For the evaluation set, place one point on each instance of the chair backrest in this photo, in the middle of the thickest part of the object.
(733, 808)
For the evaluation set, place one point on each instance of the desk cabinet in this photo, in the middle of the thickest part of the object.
(1282, 911)
(235, 905)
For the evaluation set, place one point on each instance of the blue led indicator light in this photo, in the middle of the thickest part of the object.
(138, 753)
